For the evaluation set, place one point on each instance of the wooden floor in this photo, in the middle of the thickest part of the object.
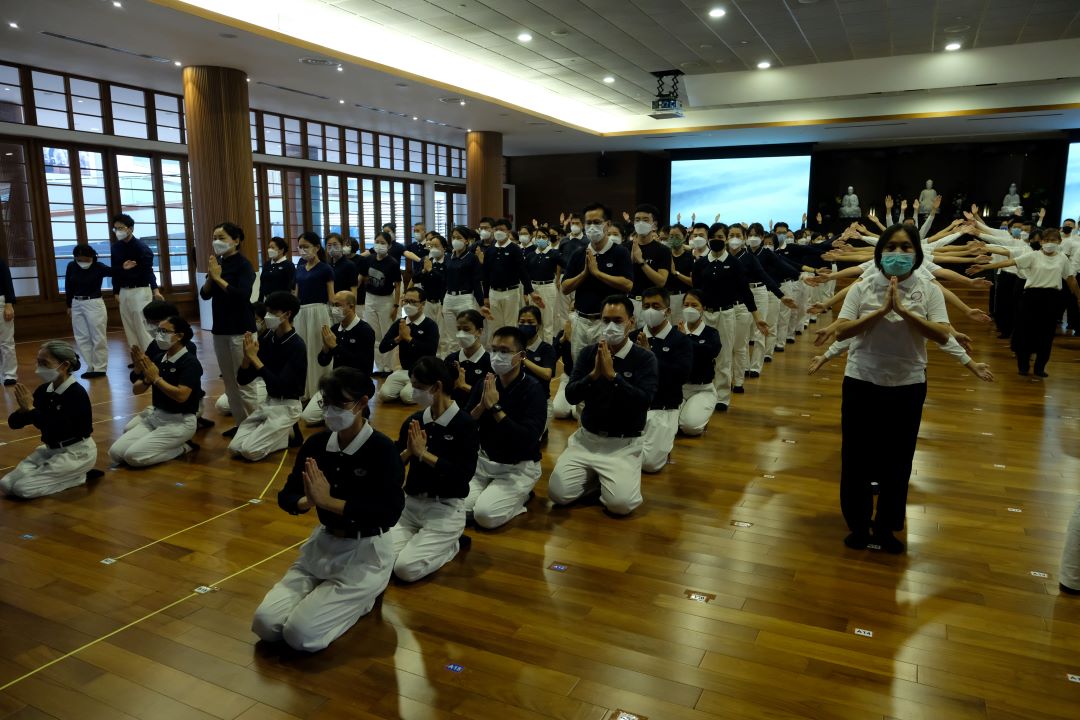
(966, 625)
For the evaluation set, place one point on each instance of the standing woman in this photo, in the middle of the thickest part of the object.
(382, 281)
(278, 272)
(229, 280)
(890, 315)
(464, 285)
(60, 408)
(314, 288)
(89, 319)
(680, 280)
(429, 274)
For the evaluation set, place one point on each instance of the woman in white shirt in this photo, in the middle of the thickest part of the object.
(890, 316)
(1040, 308)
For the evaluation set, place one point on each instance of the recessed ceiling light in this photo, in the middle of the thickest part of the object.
(717, 13)
(248, 79)
(177, 63)
(609, 79)
(13, 25)
(953, 46)
(764, 65)
(559, 33)
(524, 37)
(468, 129)
(462, 103)
(415, 118)
(117, 3)
(340, 69)
(341, 102)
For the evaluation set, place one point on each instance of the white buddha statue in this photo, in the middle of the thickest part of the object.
(849, 205)
(927, 198)
(1011, 203)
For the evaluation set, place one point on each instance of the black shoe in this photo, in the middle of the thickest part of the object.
(739, 389)
(753, 374)
(9, 382)
(204, 423)
(1068, 590)
(131, 365)
(190, 447)
(791, 341)
(464, 542)
(888, 542)
(797, 332)
(90, 375)
(1041, 373)
(94, 474)
(721, 407)
(1022, 371)
(231, 432)
(768, 359)
(780, 349)
(296, 439)
(528, 499)
(857, 540)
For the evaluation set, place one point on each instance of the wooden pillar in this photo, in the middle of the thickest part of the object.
(219, 155)
(484, 178)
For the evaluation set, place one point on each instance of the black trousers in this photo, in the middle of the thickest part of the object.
(1007, 289)
(880, 427)
(1036, 322)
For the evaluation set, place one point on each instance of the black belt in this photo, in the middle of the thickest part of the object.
(588, 316)
(133, 287)
(721, 309)
(504, 289)
(65, 443)
(86, 297)
(543, 282)
(354, 533)
(455, 293)
(757, 285)
(673, 293)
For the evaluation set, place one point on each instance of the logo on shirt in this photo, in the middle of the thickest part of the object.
(448, 437)
(628, 374)
(360, 472)
(666, 348)
(916, 296)
(609, 265)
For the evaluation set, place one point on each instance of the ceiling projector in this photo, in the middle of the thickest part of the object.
(667, 105)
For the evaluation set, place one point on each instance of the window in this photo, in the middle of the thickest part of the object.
(369, 227)
(334, 220)
(429, 151)
(128, 111)
(352, 147)
(11, 103)
(271, 134)
(416, 156)
(50, 100)
(178, 239)
(315, 210)
(315, 141)
(16, 219)
(444, 164)
(416, 203)
(457, 162)
(86, 105)
(275, 209)
(399, 153)
(169, 119)
(253, 130)
(352, 203)
(294, 203)
(332, 134)
(135, 177)
(367, 141)
(78, 210)
(294, 140)
(384, 152)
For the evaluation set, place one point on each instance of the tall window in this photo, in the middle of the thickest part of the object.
(78, 207)
(370, 221)
(367, 142)
(16, 220)
(385, 161)
(275, 209)
(86, 105)
(272, 142)
(135, 176)
(294, 140)
(352, 147)
(128, 111)
(173, 184)
(11, 104)
(50, 100)
(416, 203)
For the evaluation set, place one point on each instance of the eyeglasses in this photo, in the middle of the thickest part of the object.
(414, 303)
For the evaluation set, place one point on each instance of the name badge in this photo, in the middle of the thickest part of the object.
(419, 332)
(628, 374)
(666, 348)
(448, 437)
(609, 265)
(352, 340)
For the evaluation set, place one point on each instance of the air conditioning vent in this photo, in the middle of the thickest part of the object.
(102, 46)
(320, 62)
(292, 90)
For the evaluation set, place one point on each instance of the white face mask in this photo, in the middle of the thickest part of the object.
(307, 253)
(465, 339)
(502, 363)
(575, 229)
(614, 333)
(423, 398)
(273, 322)
(334, 251)
(735, 244)
(122, 234)
(1024, 235)
(410, 310)
(615, 239)
(163, 340)
(653, 317)
(435, 253)
(337, 314)
(500, 236)
(524, 238)
(84, 265)
(803, 241)
(417, 236)
(691, 315)
(221, 247)
(697, 242)
(594, 232)
(1050, 248)
(381, 249)
(485, 234)
(273, 253)
(754, 242)
(642, 227)
(47, 374)
(339, 419)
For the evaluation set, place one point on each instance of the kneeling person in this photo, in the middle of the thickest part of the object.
(415, 337)
(175, 382)
(280, 359)
(699, 393)
(510, 407)
(350, 342)
(352, 477)
(439, 444)
(673, 359)
(616, 380)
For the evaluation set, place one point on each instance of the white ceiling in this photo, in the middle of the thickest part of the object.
(154, 28)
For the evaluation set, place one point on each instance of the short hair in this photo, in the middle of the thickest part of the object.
(283, 301)
(534, 311)
(698, 295)
(350, 297)
(473, 317)
(430, 370)
(740, 228)
(436, 236)
(334, 236)
(418, 290)
(157, 310)
(502, 222)
(597, 206)
(392, 226)
(1068, 220)
(650, 209)
(512, 332)
(281, 243)
(700, 226)
(84, 251)
(63, 352)
(353, 243)
(345, 385)
(1047, 235)
(677, 226)
(619, 300)
(756, 228)
(232, 230)
(716, 227)
(912, 235)
(123, 218)
(180, 325)
(259, 308)
(384, 236)
(466, 232)
(658, 292)
(487, 220)
(777, 225)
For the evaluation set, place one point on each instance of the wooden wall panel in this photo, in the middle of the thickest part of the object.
(484, 175)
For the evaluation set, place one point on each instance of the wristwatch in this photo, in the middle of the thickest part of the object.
(496, 408)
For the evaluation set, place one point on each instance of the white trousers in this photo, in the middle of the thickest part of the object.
(724, 323)
(426, 536)
(89, 323)
(155, 438)
(1069, 574)
(9, 363)
(397, 386)
(46, 471)
(547, 313)
(333, 583)
(229, 350)
(266, 430)
(497, 492)
(769, 305)
(309, 323)
(560, 407)
(658, 439)
(504, 307)
(255, 390)
(740, 359)
(312, 413)
(562, 307)
(802, 297)
(379, 314)
(786, 318)
(132, 302)
(434, 312)
(614, 463)
(699, 403)
(584, 331)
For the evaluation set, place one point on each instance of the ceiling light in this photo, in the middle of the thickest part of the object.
(13, 25)
(117, 3)
(341, 102)
(462, 103)
(340, 69)
(609, 79)
(764, 65)
(468, 129)
(177, 63)
(415, 118)
(524, 37)
(717, 13)
(248, 79)
(953, 46)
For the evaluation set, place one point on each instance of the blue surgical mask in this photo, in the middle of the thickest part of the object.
(543, 243)
(895, 264)
(1015, 232)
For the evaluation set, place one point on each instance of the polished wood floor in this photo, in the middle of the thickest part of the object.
(965, 625)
